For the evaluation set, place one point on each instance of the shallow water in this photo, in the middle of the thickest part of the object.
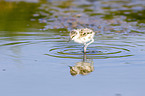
(36, 57)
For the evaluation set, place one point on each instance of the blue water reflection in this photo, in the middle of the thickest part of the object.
(36, 58)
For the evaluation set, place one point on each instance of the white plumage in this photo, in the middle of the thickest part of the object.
(82, 36)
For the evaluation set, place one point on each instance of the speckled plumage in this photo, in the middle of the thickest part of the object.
(82, 36)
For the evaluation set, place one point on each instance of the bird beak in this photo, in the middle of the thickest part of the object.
(70, 67)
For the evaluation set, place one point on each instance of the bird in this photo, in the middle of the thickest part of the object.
(83, 36)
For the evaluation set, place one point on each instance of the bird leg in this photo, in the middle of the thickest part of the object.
(84, 57)
(86, 45)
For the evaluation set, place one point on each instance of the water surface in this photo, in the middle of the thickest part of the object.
(37, 59)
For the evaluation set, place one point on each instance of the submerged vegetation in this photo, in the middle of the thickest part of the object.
(18, 16)
(109, 16)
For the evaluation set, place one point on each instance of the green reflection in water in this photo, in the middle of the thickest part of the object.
(65, 4)
(18, 16)
(133, 15)
(132, 10)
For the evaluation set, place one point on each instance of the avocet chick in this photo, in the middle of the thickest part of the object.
(84, 36)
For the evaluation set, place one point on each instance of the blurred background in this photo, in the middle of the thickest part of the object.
(36, 58)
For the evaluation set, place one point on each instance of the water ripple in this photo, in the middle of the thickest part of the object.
(14, 43)
(95, 52)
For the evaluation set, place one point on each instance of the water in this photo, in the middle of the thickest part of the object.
(37, 59)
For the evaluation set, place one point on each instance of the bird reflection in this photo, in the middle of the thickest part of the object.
(84, 67)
